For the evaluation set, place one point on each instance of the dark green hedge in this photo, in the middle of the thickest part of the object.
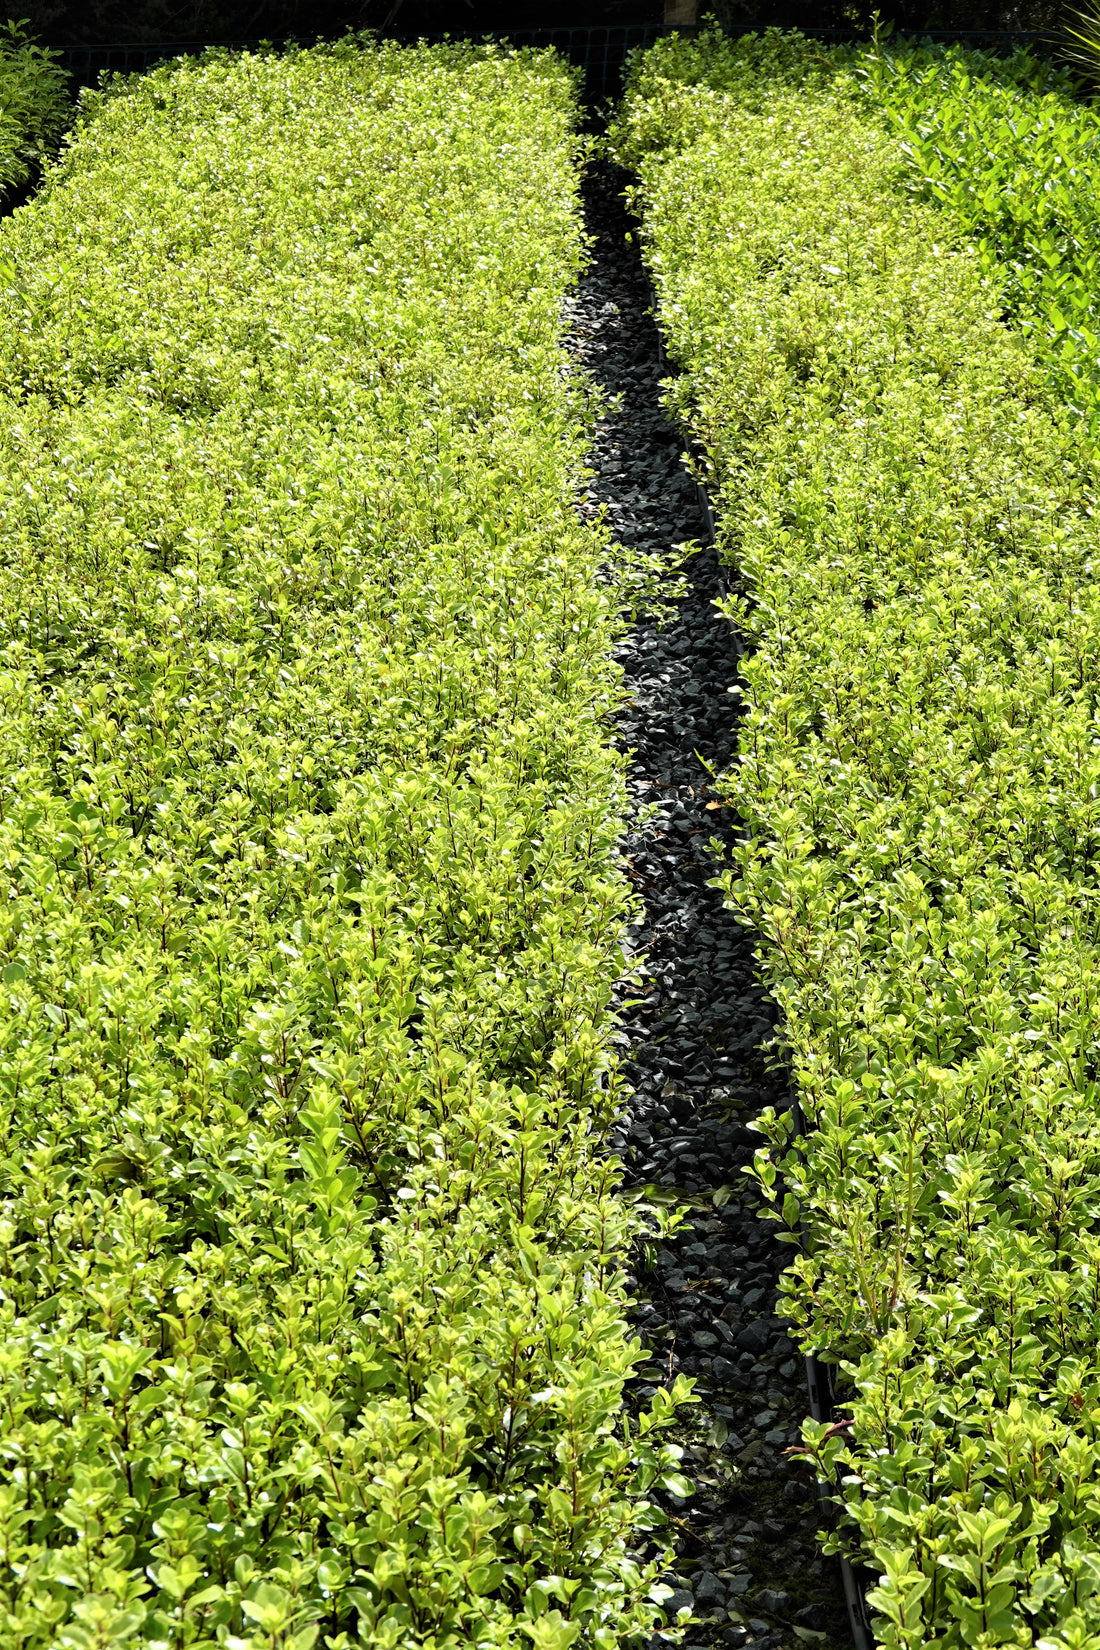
(35, 108)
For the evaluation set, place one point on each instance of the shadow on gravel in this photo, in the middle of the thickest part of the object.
(19, 195)
(747, 1558)
(9, 203)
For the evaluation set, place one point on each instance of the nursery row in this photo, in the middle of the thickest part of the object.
(311, 1310)
(34, 107)
(912, 516)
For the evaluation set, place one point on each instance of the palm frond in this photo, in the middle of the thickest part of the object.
(1082, 46)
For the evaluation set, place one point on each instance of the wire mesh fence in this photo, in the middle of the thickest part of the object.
(600, 50)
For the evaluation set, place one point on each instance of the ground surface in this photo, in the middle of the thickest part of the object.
(747, 1558)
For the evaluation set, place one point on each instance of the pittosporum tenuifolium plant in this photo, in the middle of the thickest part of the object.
(312, 1320)
(912, 512)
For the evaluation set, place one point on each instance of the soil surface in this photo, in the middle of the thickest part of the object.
(693, 1037)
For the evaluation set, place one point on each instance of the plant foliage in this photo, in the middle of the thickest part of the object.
(1005, 146)
(914, 522)
(34, 107)
(312, 1315)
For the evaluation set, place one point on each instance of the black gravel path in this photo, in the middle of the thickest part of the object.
(747, 1557)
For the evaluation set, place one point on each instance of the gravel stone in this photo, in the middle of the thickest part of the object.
(754, 1338)
(811, 1617)
(691, 1035)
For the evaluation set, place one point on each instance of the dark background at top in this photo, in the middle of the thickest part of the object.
(82, 22)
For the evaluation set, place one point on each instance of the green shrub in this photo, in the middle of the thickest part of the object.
(34, 107)
(1015, 158)
(312, 1311)
(915, 526)
(1006, 146)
